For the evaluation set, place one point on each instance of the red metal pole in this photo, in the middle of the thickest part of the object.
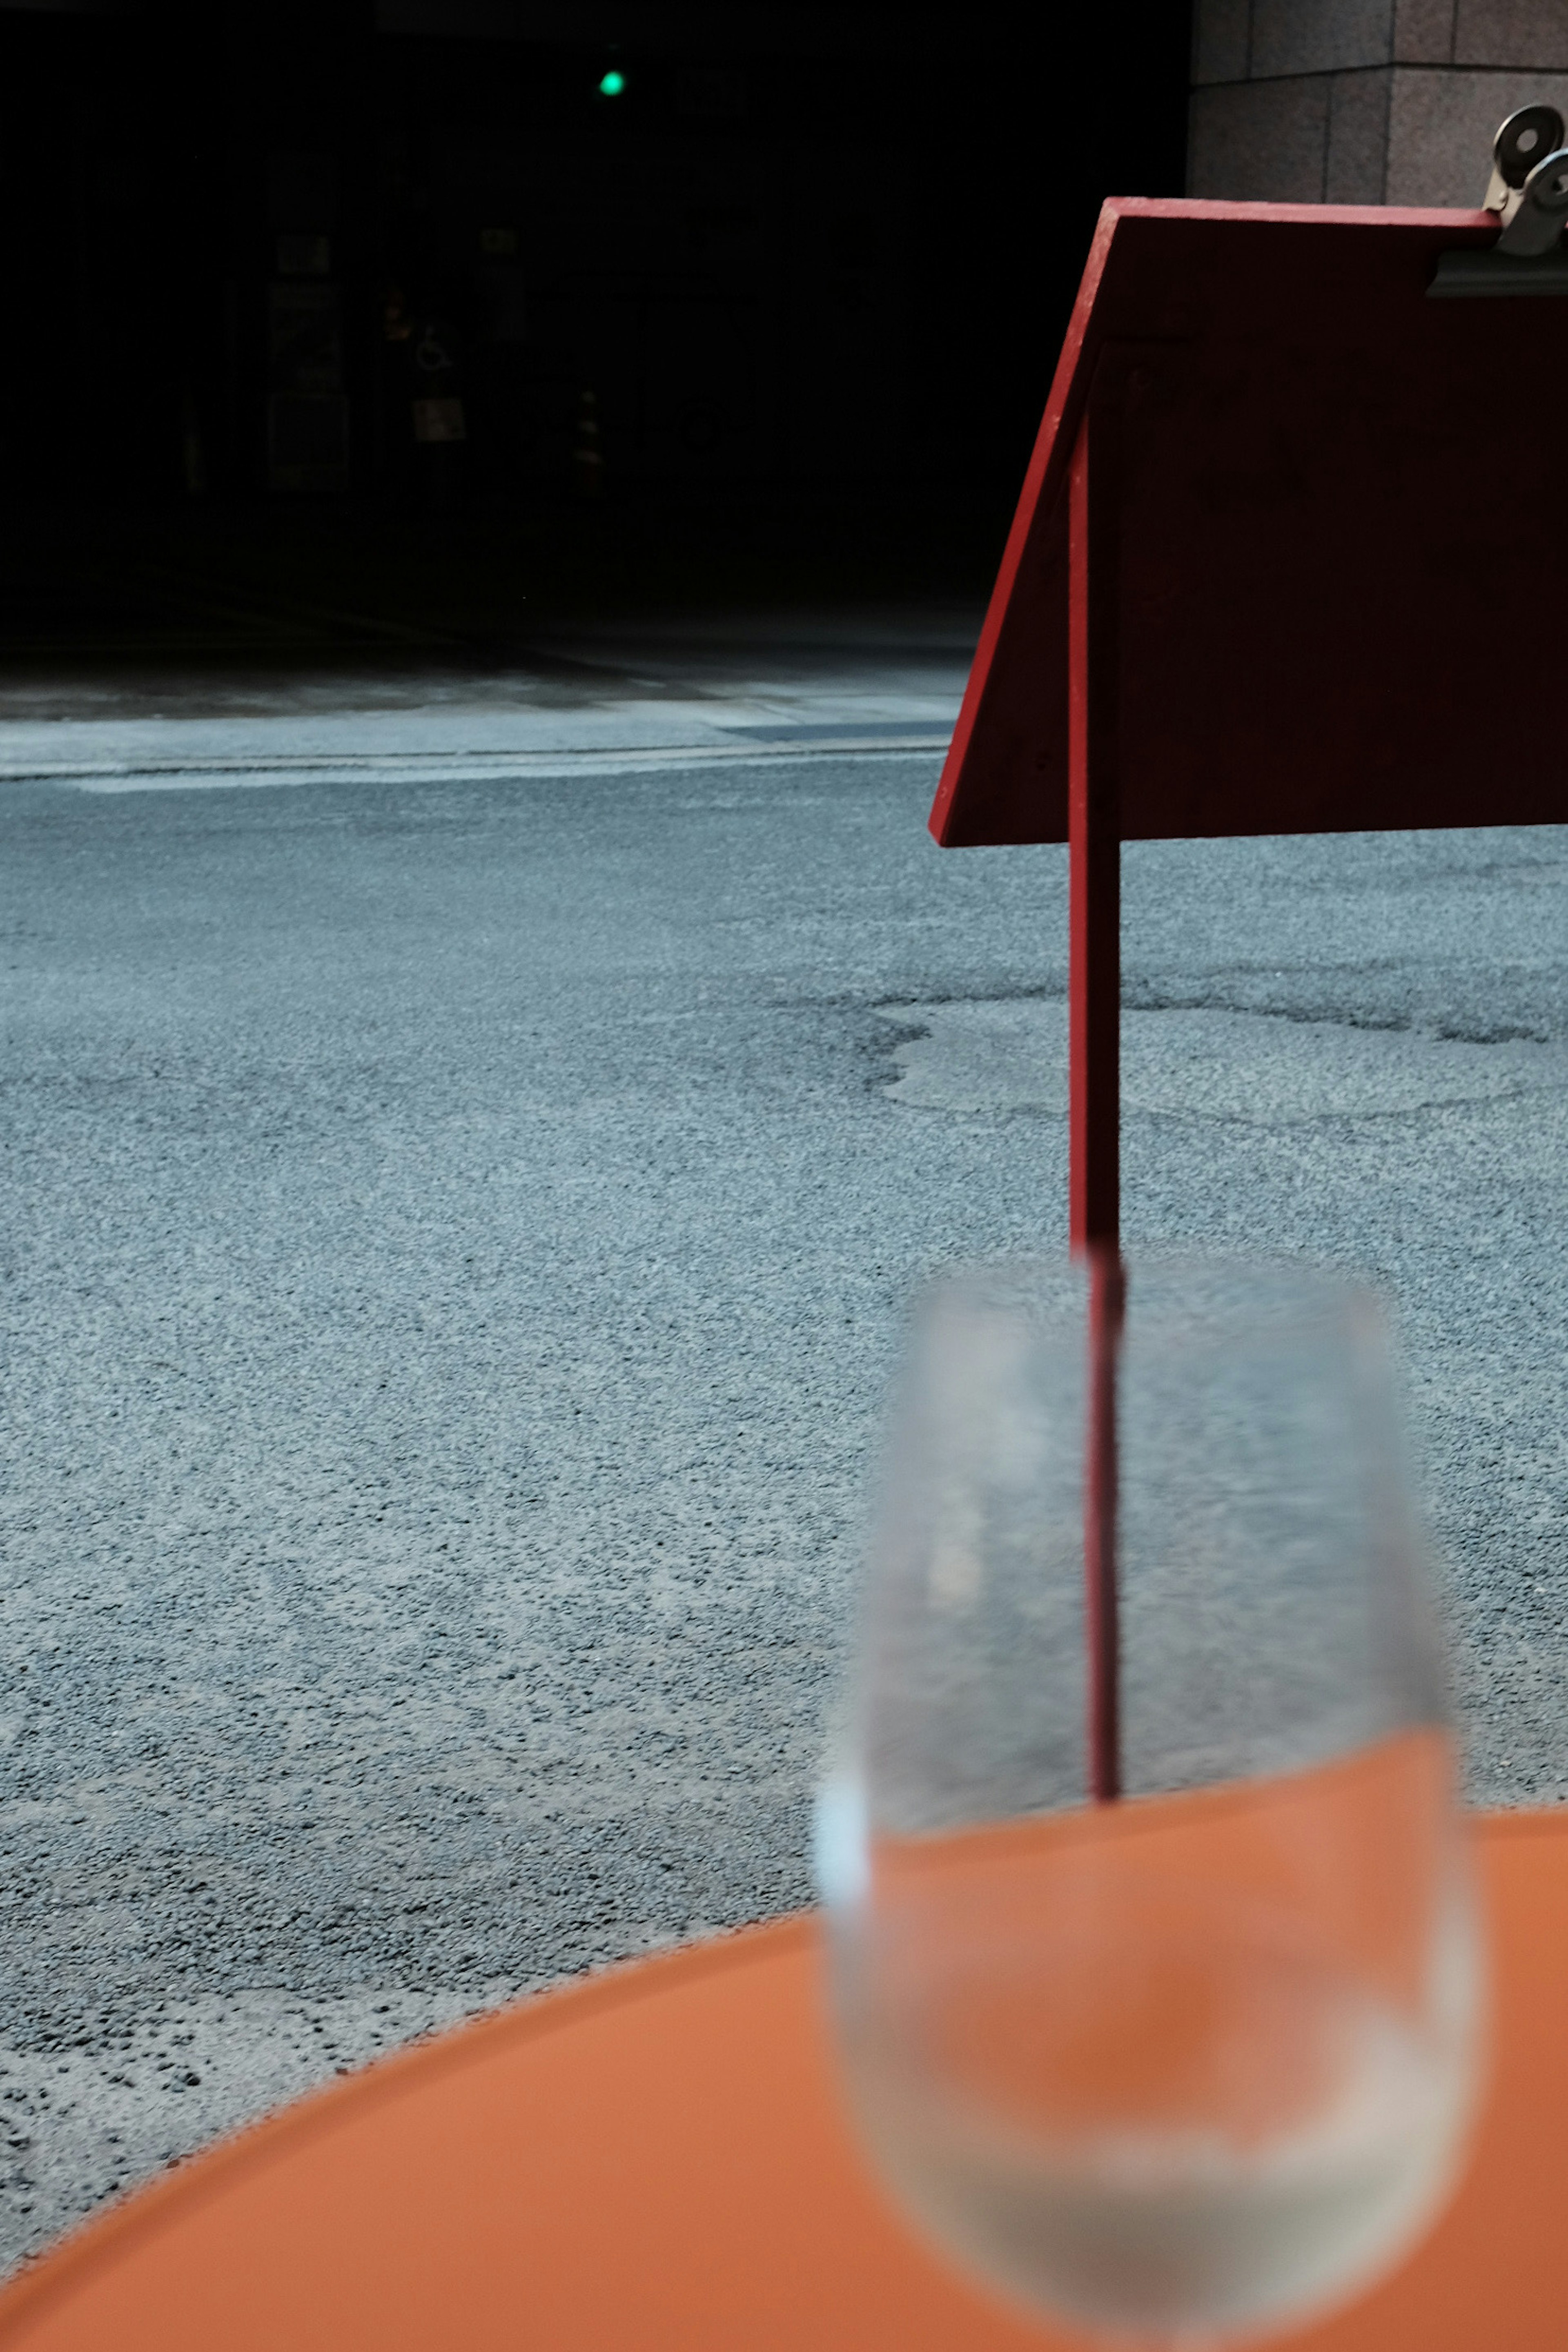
(1107, 1297)
(1094, 841)
(1094, 898)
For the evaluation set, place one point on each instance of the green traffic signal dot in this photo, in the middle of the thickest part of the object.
(613, 84)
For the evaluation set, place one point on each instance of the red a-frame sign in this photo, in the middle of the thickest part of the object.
(1286, 561)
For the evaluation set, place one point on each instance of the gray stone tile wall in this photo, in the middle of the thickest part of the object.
(1423, 32)
(1441, 126)
(1257, 140)
(1355, 157)
(1303, 37)
(1221, 45)
(1364, 101)
(1510, 33)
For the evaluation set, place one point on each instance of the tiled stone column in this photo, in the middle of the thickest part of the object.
(1364, 101)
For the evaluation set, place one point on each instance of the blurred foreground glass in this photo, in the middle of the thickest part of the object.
(1194, 2063)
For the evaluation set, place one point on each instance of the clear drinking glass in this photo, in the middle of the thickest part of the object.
(1153, 1958)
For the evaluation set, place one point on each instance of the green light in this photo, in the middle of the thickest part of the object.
(613, 84)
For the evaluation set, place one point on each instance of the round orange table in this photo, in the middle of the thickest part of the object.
(655, 2161)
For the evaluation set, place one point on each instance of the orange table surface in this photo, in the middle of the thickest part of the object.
(657, 2158)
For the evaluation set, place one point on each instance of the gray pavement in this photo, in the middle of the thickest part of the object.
(467, 1146)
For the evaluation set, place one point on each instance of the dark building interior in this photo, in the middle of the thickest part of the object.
(563, 303)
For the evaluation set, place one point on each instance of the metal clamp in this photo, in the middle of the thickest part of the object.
(1529, 190)
(1529, 184)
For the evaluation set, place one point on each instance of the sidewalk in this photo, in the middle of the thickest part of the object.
(767, 687)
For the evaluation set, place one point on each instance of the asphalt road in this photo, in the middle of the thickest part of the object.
(459, 1199)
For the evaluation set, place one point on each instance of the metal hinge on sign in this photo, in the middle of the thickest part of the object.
(1529, 191)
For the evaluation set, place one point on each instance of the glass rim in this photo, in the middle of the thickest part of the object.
(1271, 1287)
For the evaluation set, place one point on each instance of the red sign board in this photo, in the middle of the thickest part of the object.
(1331, 528)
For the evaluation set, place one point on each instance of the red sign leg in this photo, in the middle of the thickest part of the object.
(1094, 850)
(1106, 1296)
(1094, 1048)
